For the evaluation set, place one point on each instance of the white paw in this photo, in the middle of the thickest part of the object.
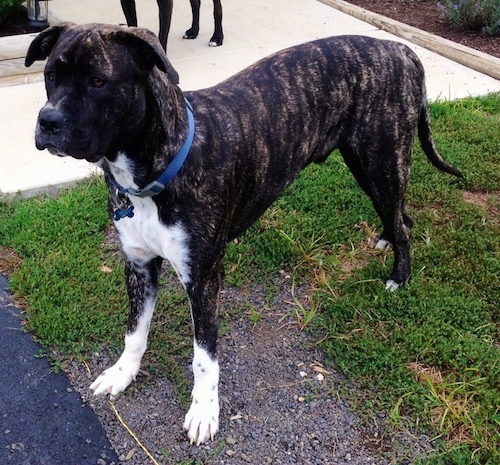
(392, 285)
(202, 419)
(116, 378)
(383, 244)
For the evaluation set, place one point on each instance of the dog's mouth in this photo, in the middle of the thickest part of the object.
(79, 151)
(43, 142)
(53, 150)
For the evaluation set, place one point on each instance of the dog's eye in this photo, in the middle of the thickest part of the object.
(50, 75)
(97, 82)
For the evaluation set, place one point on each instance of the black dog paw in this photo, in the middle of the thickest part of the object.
(191, 33)
(216, 40)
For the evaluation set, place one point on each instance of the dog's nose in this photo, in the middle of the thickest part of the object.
(50, 120)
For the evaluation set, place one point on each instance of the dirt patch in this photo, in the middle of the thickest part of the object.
(9, 260)
(486, 200)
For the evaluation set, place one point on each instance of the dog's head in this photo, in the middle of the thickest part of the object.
(96, 79)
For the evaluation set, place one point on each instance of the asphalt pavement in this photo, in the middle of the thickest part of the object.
(43, 420)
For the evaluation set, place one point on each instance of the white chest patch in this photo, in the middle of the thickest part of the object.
(144, 236)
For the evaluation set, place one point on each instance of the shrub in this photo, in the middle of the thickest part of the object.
(474, 15)
(6, 6)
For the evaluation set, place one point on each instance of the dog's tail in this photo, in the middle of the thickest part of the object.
(427, 141)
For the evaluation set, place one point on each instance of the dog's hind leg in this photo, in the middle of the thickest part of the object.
(384, 242)
(202, 419)
(389, 186)
(142, 285)
(386, 186)
(397, 229)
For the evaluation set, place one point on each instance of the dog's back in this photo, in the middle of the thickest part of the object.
(353, 84)
(366, 96)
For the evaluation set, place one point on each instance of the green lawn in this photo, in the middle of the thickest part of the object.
(429, 354)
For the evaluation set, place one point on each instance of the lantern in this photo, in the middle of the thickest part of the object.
(38, 13)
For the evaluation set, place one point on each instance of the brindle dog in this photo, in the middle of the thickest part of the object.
(188, 172)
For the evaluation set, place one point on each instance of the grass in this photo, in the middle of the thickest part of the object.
(428, 354)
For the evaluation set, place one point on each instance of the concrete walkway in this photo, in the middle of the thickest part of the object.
(252, 30)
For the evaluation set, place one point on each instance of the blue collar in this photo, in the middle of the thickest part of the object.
(171, 170)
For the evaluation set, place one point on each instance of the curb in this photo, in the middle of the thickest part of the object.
(474, 59)
(13, 50)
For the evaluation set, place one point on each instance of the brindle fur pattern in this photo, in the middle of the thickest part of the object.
(113, 99)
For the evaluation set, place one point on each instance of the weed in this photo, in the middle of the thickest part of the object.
(254, 315)
(304, 316)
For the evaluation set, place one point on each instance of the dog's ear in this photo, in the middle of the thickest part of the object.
(148, 49)
(43, 43)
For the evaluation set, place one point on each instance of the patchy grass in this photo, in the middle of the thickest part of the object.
(429, 353)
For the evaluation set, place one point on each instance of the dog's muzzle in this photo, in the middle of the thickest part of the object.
(56, 133)
(51, 120)
(50, 125)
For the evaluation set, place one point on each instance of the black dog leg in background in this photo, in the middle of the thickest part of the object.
(218, 36)
(165, 8)
(165, 14)
(192, 33)
(165, 17)
(128, 7)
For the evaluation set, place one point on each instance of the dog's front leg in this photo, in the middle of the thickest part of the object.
(165, 14)
(142, 285)
(192, 33)
(129, 10)
(202, 419)
(218, 36)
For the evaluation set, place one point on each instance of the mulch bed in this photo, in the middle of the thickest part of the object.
(424, 15)
(16, 23)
